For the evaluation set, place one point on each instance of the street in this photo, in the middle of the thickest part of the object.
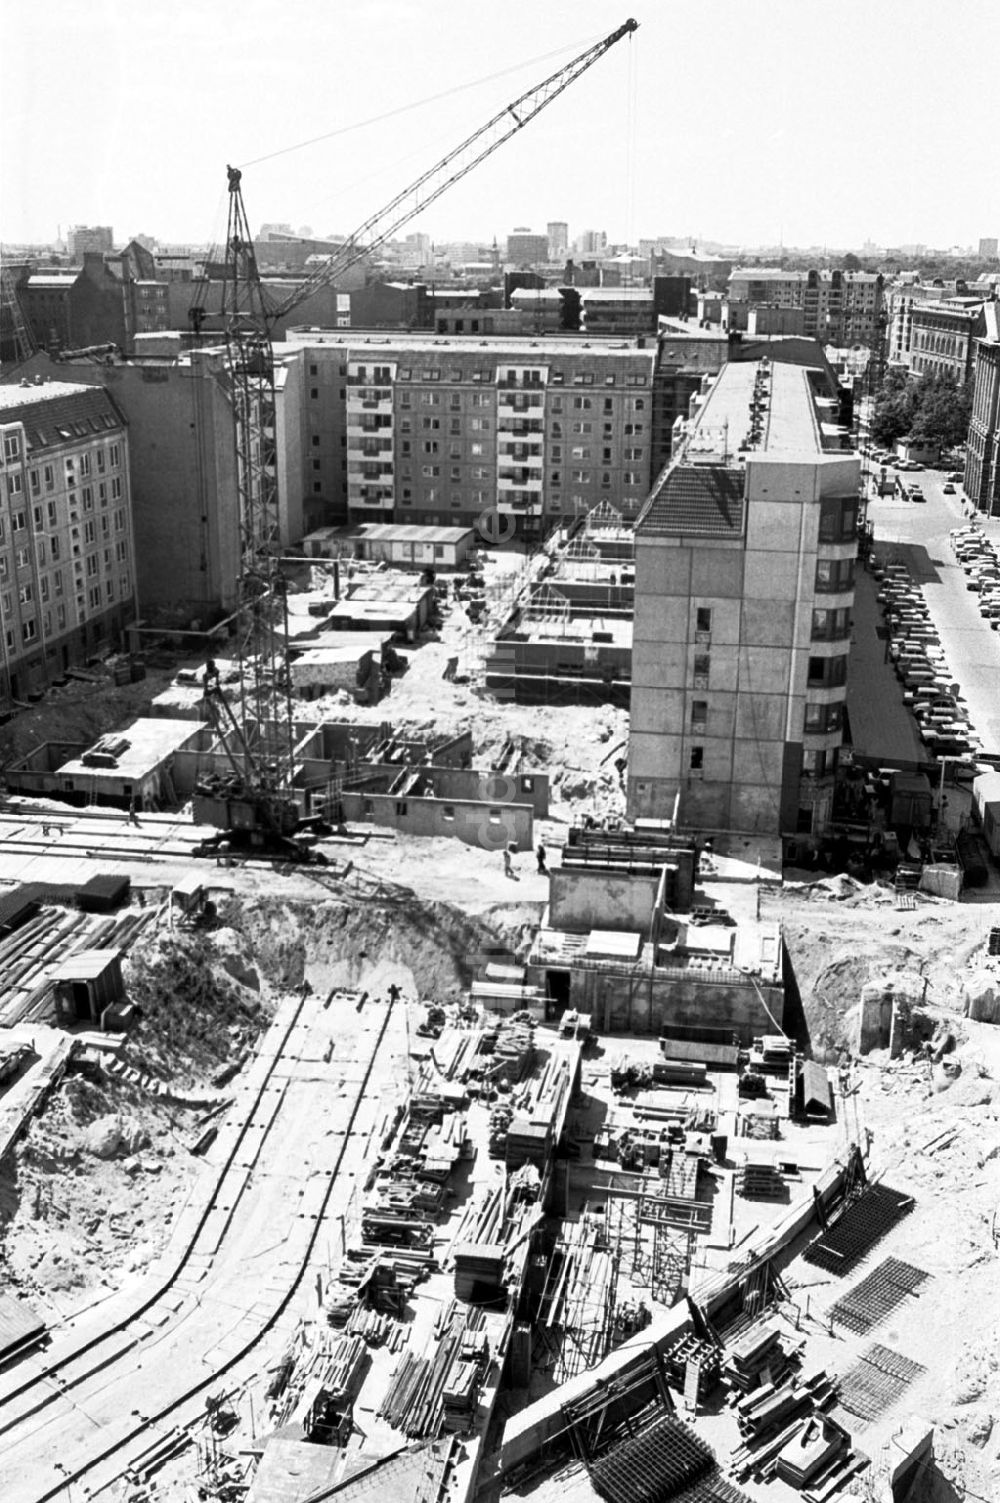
(917, 533)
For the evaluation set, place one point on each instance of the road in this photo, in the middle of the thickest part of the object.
(317, 1100)
(918, 533)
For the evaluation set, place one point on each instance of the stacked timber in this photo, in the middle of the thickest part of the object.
(760, 1182)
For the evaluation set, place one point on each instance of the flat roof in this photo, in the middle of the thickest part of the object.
(576, 629)
(408, 532)
(492, 345)
(789, 423)
(150, 742)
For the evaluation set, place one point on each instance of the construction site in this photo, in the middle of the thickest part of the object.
(385, 1114)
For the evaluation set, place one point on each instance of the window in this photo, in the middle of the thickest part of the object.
(827, 672)
(116, 488)
(49, 478)
(314, 393)
(35, 481)
(15, 485)
(88, 532)
(401, 809)
(11, 446)
(833, 575)
(476, 449)
(479, 425)
(431, 446)
(702, 668)
(582, 404)
(54, 547)
(43, 587)
(40, 551)
(29, 630)
(84, 464)
(699, 714)
(448, 812)
(697, 760)
(703, 618)
(23, 558)
(57, 581)
(25, 594)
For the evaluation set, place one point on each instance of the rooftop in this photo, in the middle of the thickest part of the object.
(511, 345)
(145, 744)
(409, 532)
(59, 412)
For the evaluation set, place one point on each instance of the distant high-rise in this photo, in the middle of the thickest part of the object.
(592, 243)
(988, 249)
(81, 238)
(527, 249)
(558, 233)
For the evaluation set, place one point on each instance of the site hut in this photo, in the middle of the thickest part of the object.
(87, 984)
(411, 546)
(745, 560)
(130, 769)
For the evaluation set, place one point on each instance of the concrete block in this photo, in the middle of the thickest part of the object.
(981, 996)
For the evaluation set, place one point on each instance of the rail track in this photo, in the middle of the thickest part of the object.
(56, 1381)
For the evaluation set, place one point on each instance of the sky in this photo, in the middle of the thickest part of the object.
(749, 122)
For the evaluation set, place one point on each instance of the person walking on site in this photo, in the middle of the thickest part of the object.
(543, 870)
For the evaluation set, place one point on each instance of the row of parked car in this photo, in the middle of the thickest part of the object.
(929, 688)
(978, 558)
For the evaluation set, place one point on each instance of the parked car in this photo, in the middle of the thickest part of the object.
(949, 489)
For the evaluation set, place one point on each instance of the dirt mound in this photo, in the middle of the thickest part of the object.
(431, 949)
(831, 975)
(200, 1002)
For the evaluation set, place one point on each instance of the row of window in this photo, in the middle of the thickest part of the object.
(819, 719)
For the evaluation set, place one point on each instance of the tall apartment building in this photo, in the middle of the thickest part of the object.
(942, 338)
(81, 238)
(982, 458)
(839, 307)
(67, 570)
(441, 430)
(558, 233)
(744, 587)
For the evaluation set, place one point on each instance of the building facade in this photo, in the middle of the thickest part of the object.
(67, 566)
(526, 249)
(745, 556)
(527, 433)
(982, 458)
(81, 238)
(558, 235)
(838, 307)
(943, 336)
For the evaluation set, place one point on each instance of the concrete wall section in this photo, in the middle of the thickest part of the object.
(490, 826)
(580, 901)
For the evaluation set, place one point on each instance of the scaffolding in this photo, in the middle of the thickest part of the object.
(547, 606)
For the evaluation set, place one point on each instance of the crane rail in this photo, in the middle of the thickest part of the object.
(53, 1386)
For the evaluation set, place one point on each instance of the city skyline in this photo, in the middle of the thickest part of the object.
(724, 135)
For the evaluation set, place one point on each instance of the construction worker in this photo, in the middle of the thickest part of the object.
(543, 870)
(395, 992)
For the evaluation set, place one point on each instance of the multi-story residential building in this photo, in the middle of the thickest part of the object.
(67, 568)
(839, 307)
(81, 238)
(744, 587)
(982, 458)
(443, 430)
(943, 336)
(901, 298)
(526, 249)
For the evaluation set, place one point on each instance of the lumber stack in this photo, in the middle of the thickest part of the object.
(760, 1182)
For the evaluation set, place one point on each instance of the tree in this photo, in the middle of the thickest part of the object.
(851, 262)
(932, 409)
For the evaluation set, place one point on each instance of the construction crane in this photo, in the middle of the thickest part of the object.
(16, 333)
(253, 805)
